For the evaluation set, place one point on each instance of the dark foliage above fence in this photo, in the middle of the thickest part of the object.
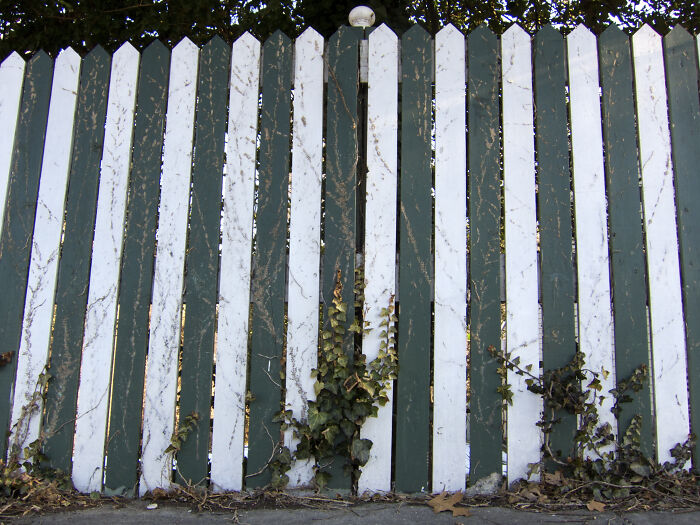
(29, 25)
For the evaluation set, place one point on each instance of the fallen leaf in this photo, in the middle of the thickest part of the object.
(6, 358)
(445, 502)
(461, 511)
(553, 479)
(596, 506)
(152, 506)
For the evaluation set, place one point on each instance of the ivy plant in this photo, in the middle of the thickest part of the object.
(348, 390)
(611, 468)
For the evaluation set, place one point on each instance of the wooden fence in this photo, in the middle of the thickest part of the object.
(168, 213)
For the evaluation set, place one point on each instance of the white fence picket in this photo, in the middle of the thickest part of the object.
(304, 238)
(164, 339)
(595, 326)
(11, 79)
(100, 316)
(43, 268)
(234, 287)
(522, 309)
(380, 235)
(665, 302)
(450, 354)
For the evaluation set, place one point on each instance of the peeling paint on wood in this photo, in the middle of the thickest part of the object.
(304, 238)
(684, 112)
(268, 281)
(450, 353)
(234, 281)
(137, 274)
(202, 260)
(665, 301)
(164, 336)
(74, 267)
(415, 265)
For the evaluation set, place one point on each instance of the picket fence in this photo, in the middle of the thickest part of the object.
(168, 213)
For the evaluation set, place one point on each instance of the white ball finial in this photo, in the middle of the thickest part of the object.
(361, 16)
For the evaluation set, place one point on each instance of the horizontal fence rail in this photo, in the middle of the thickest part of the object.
(176, 222)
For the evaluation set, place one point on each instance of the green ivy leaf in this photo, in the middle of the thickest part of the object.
(360, 450)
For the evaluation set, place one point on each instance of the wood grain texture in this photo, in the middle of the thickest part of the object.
(485, 421)
(625, 221)
(554, 216)
(684, 114)
(165, 329)
(304, 239)
(202, 261)
(342, 157)
(412, 450)
(136, 281)
(380, 236)
(101, 313)
(18, 220)
(27, 406)
(665, 298)
(73, 272)
(595, 329)
(234, 284)
(270, 258)
(11, 79)
(450, 359)
(524, 438)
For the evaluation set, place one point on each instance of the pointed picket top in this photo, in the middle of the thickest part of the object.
(185, 46)
(549, 30)
(126, 50)
(245, 51)
(11, 78)
(678, 36)
(448, 32)
(155, 49)
(383, 34)
(68, 55)
(344, 30)
(13, 60)
(449, 38)
(277, 38)
(415, 31)
(645, 32)
(517, 33)
(246, 40)
(39, 56)
(97, 53)
(581, 34)
(216, 43)
(311, 37)
(546, 35)
(483, 32)
(613, 34)
(156, 44)
(581, 47)
(613, 29)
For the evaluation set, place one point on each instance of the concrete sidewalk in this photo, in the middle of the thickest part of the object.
(365, 514)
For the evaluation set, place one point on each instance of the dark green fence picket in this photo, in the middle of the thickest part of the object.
(554, 215)
(74, 268)
(484, 212)
(18, 225)
(202, 264)
(269, 263)
(625, 222)
(137, 273)
(342, 155)
(682, 83)
(415, 264)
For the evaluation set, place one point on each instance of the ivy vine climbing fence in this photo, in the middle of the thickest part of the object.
(174, 221)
